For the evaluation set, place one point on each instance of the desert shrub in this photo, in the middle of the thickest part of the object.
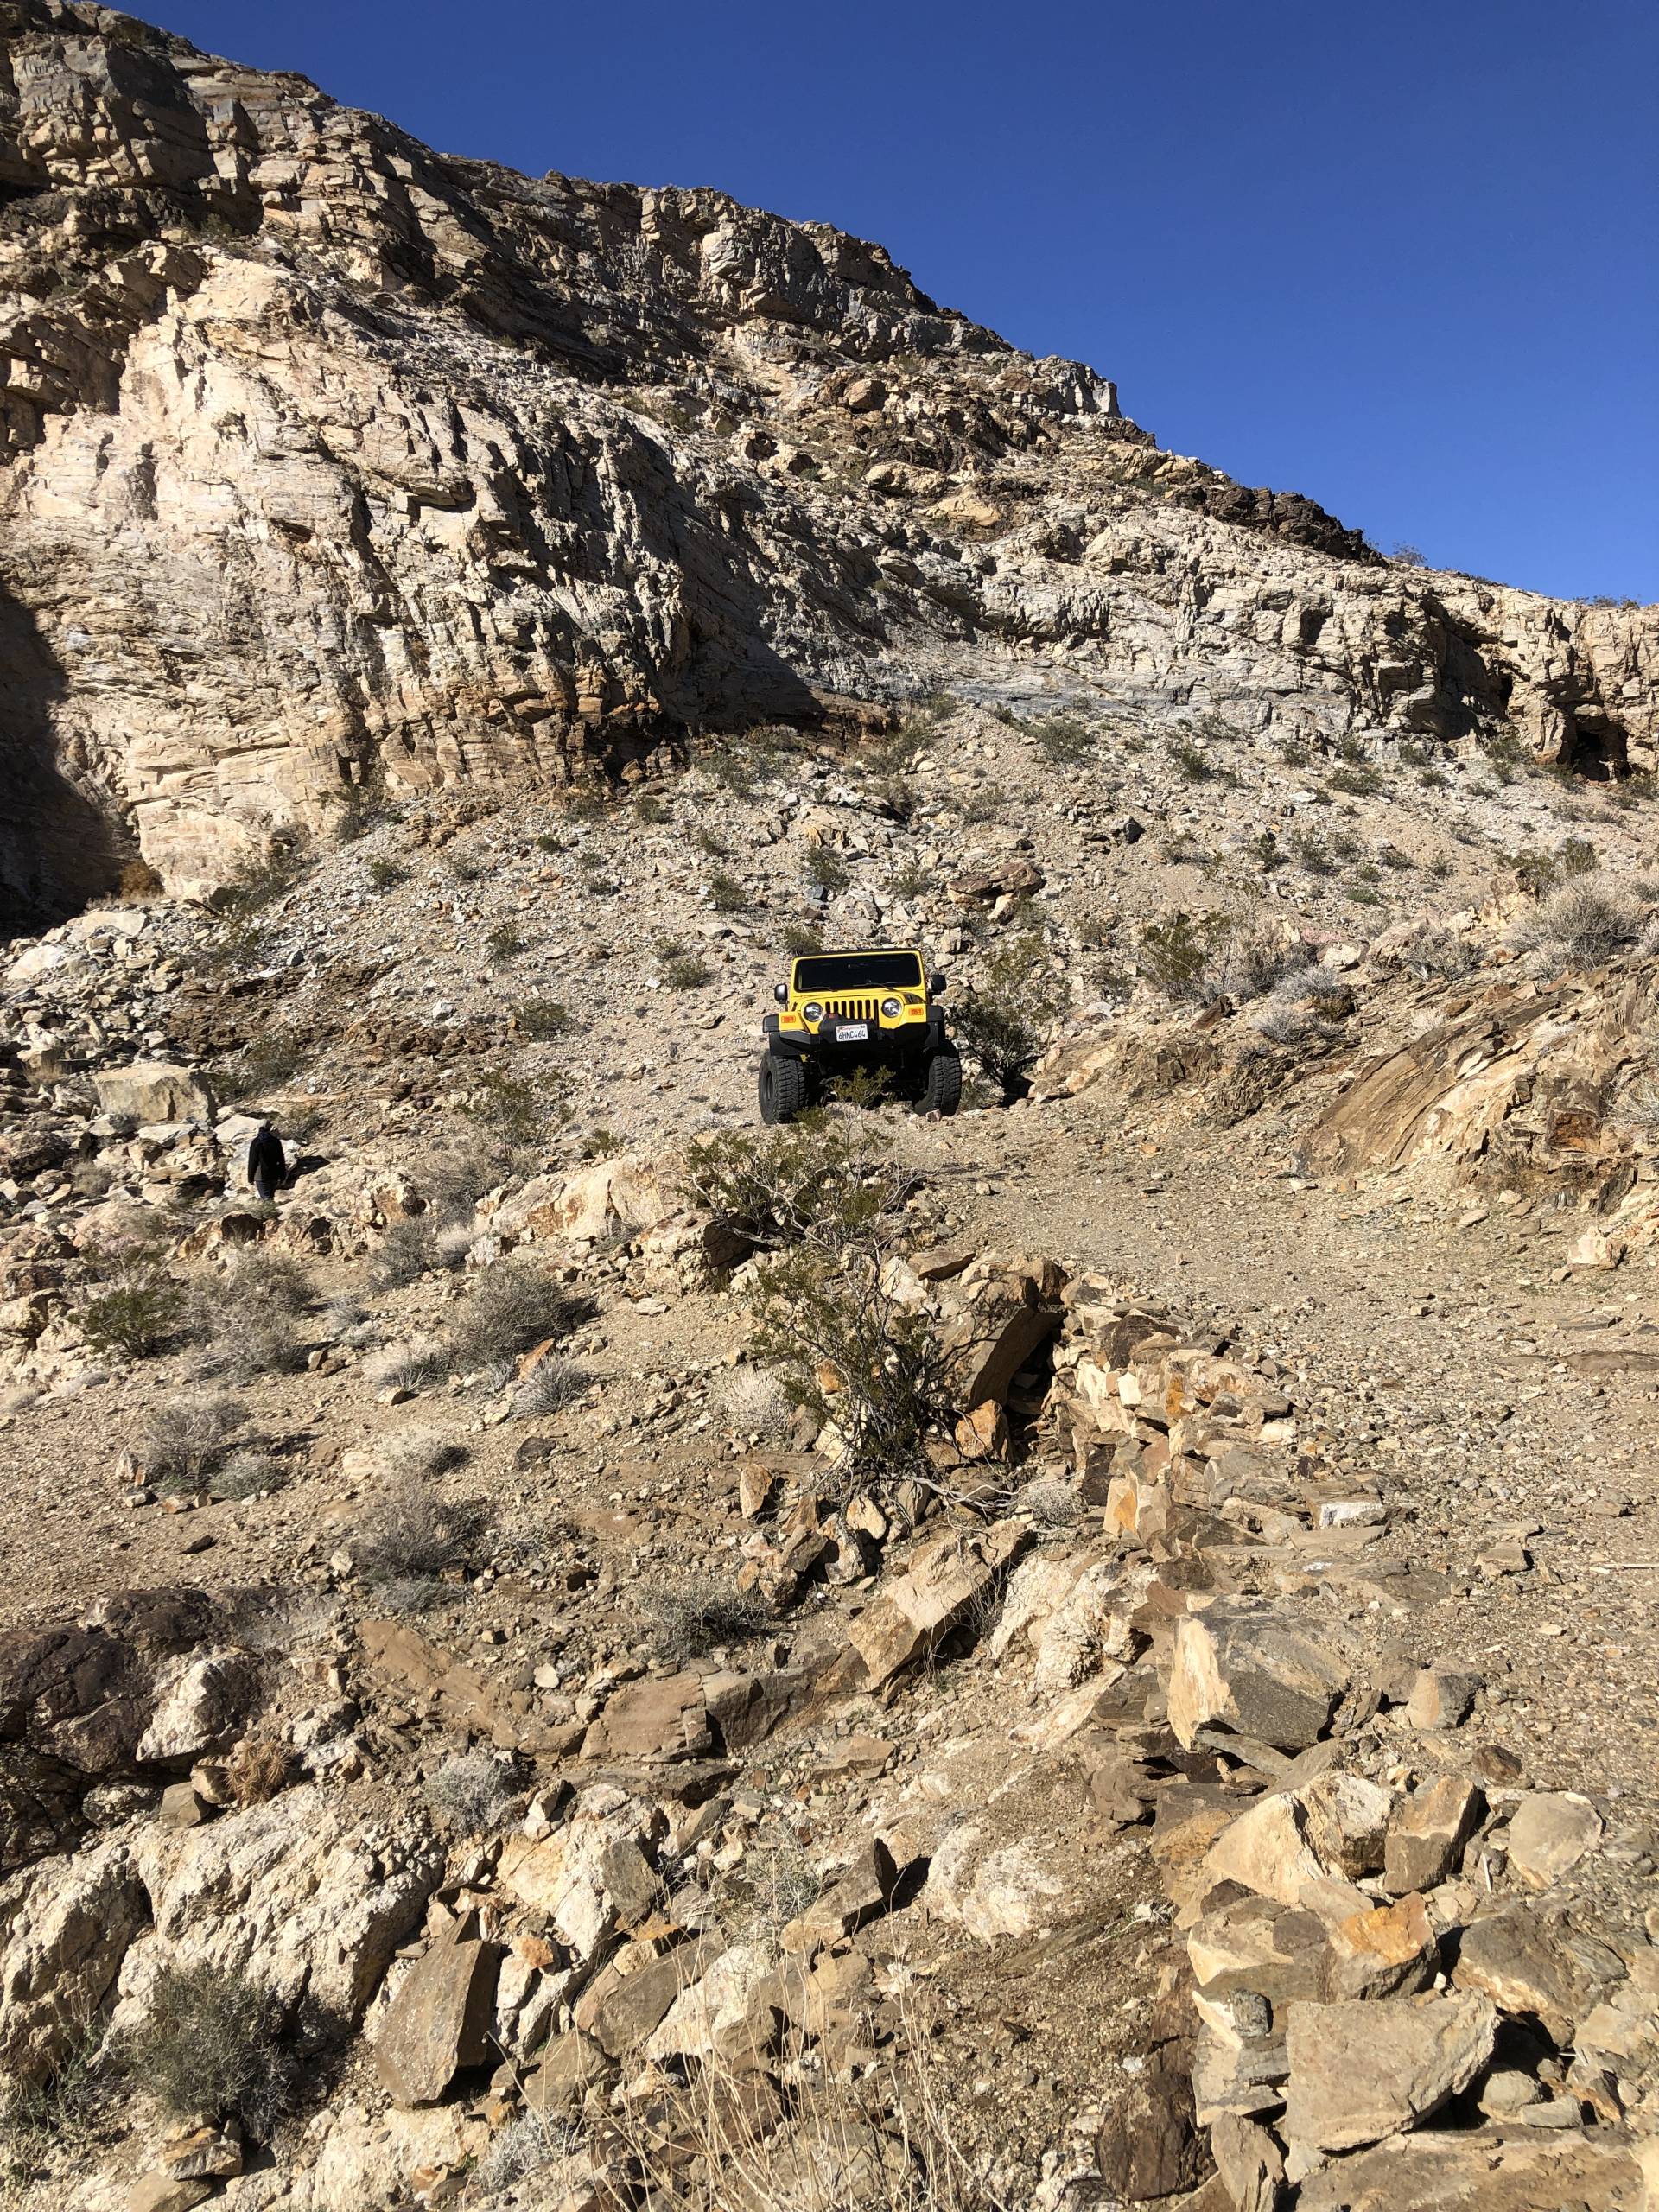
(244, 1321)
(267, 1062)
(1063, 739)
(244, 1474)
(410, 1534)
(1280, 1022)
(752, 1402)
(509, 1106)
(521, 2148)
(825, 868)
(1191, 763)
(217, 2043)
(513, 1307)
(912, 881)
(1576, 856)
(407, 1250)
(587, 802)
(456, 1180)
(1003, 1021)
(417, 1453)
(1049, 1501)
(1433, 950)
(812, 1178)
(728, 893)
(1180, 955)
(409, 1365)
(542, 1020)
(41, 2119)
(386, 875)
(502, 942)
(1582, 923)
(798, 940)
(686, 971)
(849, 1352)
(469, 1792)
(981, 803)
(265, 877)
(1360, 782)
(137, 1318)
(685, 1619)
(184, 1440)
(1253, 961)
(551, 1385)
(650, 808)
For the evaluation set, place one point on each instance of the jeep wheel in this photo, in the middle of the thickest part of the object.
(942, 1082)
(783, 1087)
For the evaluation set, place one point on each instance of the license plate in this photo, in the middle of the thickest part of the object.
(852, 1033)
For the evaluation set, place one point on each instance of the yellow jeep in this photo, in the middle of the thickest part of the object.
(871, 1008)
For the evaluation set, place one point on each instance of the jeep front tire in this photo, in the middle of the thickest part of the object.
(942, 1082)
(783, 1087)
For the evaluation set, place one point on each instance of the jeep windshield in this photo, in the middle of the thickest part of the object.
(860, 971)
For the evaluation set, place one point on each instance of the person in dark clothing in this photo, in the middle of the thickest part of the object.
(267, 1162)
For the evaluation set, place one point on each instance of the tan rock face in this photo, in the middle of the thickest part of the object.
(427, 471)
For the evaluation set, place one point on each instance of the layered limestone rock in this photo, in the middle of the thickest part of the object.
(328, 458)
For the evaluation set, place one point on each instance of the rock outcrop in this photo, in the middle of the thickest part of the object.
(329, 461)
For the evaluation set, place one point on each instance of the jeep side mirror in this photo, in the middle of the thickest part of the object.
(780, 992)
(937, 983)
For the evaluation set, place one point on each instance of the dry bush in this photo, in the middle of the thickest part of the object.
(551, 1385)
(409, 1535)
(244, 1321)
(468, 1793)
(456, 1180)
(514, 1307)
(686, 1618)
(753, 1402)
(1048, 1501)
(407, 1250)
(420, 1453)
(406, 1366)
(185, 1439)
(1433, 950)
(1578, 926)
(884, 2143)
(245, 1473)
(521, 2148)
(1279, 1020)
(215, 2044)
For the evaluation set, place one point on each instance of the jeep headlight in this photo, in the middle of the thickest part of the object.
(813, 1010)
(891, 1008)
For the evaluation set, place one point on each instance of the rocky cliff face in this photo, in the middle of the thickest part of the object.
(327, 458)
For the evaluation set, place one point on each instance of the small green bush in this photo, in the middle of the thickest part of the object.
(826, 870)
(1064, 739)
(138, 1318)
(727, 893)
(1178, 953)
(687, 971)
(542, 1020)
(503, 942)
(384, 875)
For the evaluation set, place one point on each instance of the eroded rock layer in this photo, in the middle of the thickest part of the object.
(326, 457)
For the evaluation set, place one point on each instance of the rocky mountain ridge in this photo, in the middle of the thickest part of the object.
(330, 461)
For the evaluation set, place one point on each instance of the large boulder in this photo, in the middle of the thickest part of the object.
(309, 1895)
(154, 1091)
(1250, 1670)
(1361, 2071)
(65, 1928)
(918, 1609)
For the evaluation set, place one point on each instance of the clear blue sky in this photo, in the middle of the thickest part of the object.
(1399, 258)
